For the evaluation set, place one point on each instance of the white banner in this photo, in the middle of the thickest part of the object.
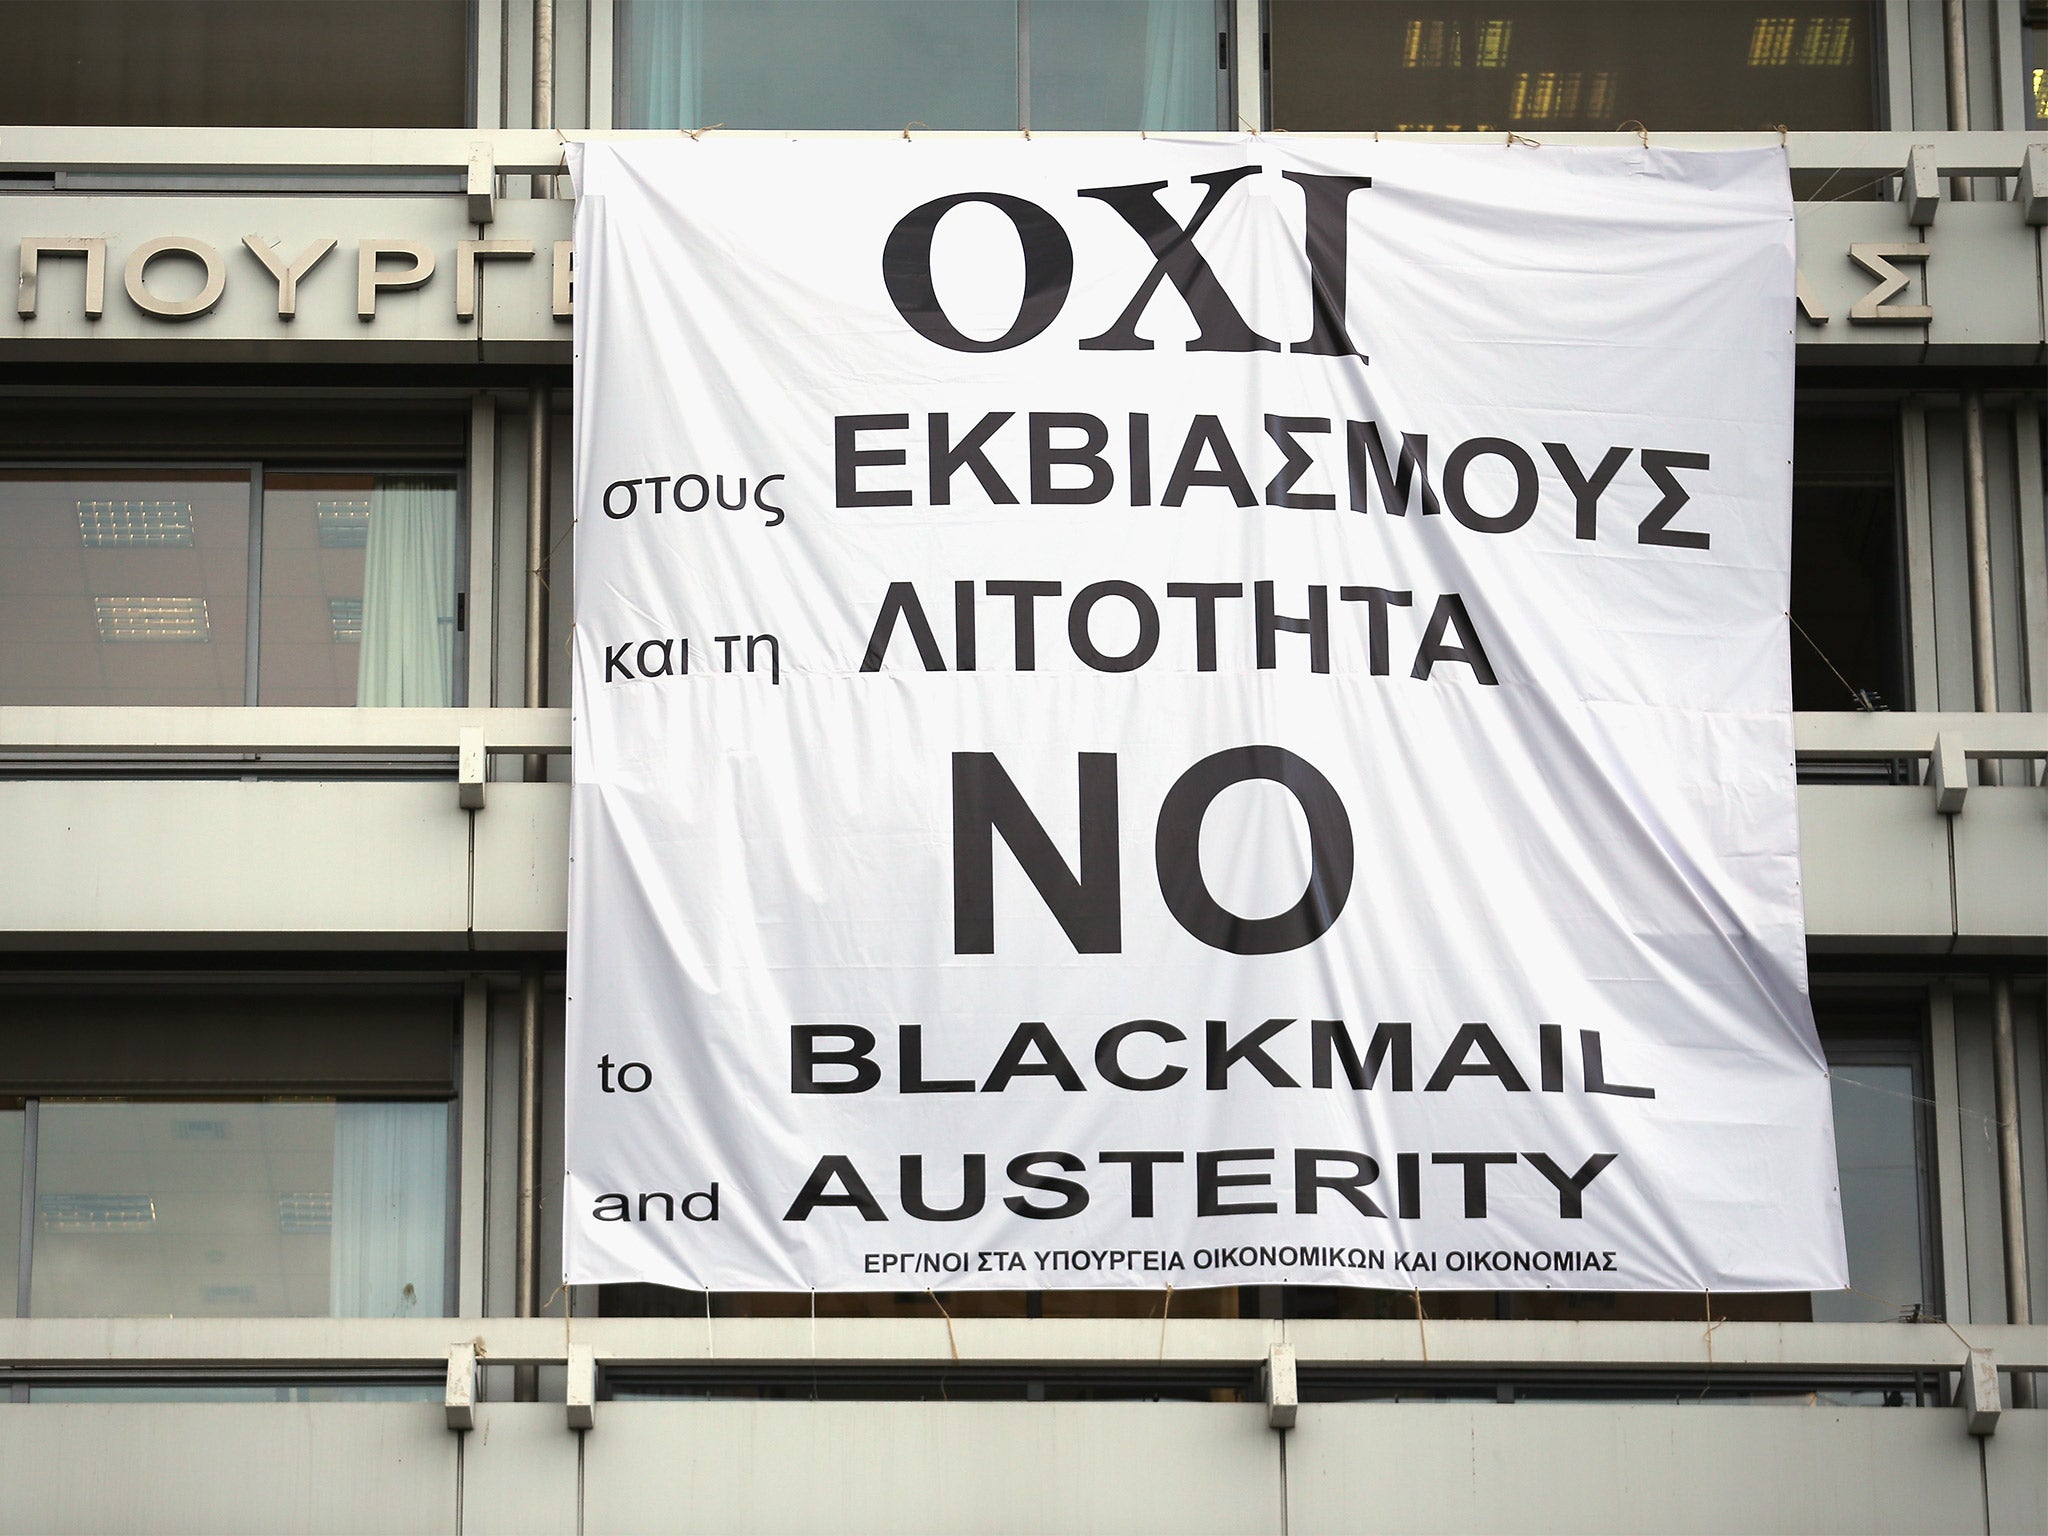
(1186, 712)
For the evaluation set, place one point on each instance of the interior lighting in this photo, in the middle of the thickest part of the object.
(1424, 48)
(1491, 50)
(343, 524)
(152, 618)
(95, 1213)
(1770, 42)
(346, 615)
(1827, 41)
(305, 1212)
(135, 524)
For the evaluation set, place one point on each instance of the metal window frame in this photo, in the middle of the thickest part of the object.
(258, 472)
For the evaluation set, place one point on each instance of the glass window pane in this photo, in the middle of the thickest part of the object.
(11, 1119)
(814, 64)
(123, 586)
(1877, 1144)
(1847, 588)
(359, 590)
(1121, 64)
(236, 63)
(1571, 64)
(290, 1209)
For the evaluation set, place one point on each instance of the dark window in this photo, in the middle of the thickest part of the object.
(236, 63)
(1848, 593)
(884, 64)
(1355, 65)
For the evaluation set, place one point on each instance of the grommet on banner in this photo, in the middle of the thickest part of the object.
(1784, 138)
(1641, 132)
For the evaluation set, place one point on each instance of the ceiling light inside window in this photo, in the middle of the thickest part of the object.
(1491, 49)
(95, 1213)
(343, 524)
(135, 524)
(305, 1212)
(151, 618)
(346, 615)
(1770, 41)
(1828, 42)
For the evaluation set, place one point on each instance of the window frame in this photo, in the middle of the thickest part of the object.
(258, 471)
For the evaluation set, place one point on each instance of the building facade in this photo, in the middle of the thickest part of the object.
(286, 384)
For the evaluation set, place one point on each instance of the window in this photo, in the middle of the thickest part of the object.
(2037, 63)
(132, 586)
(1356, 65)
(883, 64)
(236, 63)
(1848, 586)
(197, 1153)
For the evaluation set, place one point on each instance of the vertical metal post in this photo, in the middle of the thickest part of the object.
(526, 1279)
(2012, 1208)
(543, 80)
(1957, 58)
(539, 430)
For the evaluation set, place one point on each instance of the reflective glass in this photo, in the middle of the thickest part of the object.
(1848, 600)
(281, 1209)
(123, 586)
(358, 590)
(11, 1119)
(1358, 65)
(1877, 1142)
(947, 64)
(236, 63)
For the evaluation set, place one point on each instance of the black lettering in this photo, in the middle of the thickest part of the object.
(1392, 1044)
(1083, 642)
(1110, 1065)
(1142, 1164)
(1210, 1181)
(1177, 852)
(1204, 595)
(814, 1195)
(947, 460)
(849, 459)
(1073, 1197)
(1494, 1061)
(1048, 271)
(1267, 623)
(1309, 1177)
(1228, 475)
(1326, 242)
(1023, 596)
(1280, 490)
(1655, 527)
(806, 1056)
(1586, 488)
(901, 602)
(1087, 456)
(1222, 328)
(987, 802)
(1450, 614)
(973, 1189)
(1571, 1187)
(1362, 441)
(1224, 1053)
(1596, 1070)
(1032, 1036)
(910, 1066)
(1519, 511)
(1475, 1165)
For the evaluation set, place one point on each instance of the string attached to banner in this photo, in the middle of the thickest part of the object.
(952, 1342)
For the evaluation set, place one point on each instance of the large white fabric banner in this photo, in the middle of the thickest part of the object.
(1186, 712)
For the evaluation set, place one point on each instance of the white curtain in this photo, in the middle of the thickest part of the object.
(408, 649)
(661, 58)
(1180, 66)
(389, 1252)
